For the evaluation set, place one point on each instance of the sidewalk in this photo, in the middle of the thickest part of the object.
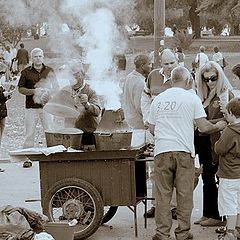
(18, 184)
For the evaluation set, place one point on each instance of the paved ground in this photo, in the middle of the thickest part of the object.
(18, 185)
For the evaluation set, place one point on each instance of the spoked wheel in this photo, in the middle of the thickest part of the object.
(77, 199)
(109, 212)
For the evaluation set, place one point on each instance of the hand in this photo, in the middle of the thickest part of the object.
(41, 95)
(83, 99)
(221, 124)
(7, 94)
(38, 91)
(222, 106)
(146, 125)
(45, 98)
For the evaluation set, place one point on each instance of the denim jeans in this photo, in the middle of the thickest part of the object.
(173, 169)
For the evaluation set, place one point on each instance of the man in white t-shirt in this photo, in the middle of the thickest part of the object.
(217, 56)
(171, 119)
(201, 57)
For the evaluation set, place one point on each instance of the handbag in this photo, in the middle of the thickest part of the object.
(196, 64)
(224, 63)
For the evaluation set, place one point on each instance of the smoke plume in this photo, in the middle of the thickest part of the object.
(94, 33)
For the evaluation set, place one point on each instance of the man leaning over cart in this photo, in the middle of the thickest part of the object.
(85, 102)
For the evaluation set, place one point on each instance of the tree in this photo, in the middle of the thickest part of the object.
(225, 11)
(143, 14)
(183, 39)
(195, 19)
(10, 34)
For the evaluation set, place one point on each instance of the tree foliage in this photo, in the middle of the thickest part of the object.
(224, 12)
(183, 39)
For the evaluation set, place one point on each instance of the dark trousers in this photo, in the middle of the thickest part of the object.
(210, 188)
(88, 138)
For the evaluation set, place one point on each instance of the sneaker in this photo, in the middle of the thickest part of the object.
(200, 220)
(2, 170)
(190, 236)
(211, 222)
(156, 237)
(150, 213)
(221, 230)
(27, 164)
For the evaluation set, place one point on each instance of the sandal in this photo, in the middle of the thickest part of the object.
(222, 229)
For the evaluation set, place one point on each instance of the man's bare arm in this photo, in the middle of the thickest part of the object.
(206, 126)
(26, 91)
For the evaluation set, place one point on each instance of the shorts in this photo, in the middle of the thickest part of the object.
(229, 197)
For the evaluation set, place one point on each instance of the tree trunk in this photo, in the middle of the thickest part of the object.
(195, 19)
(236, 29)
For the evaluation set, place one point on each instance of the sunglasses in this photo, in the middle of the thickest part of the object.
(212, 78)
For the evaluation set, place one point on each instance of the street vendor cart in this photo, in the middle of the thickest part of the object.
(77, 185)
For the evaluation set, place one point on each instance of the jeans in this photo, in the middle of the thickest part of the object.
(173, 169)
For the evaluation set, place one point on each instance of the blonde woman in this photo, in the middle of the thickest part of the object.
(214, 90)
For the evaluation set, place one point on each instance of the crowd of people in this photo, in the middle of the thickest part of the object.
(186, 115)
(189, 115)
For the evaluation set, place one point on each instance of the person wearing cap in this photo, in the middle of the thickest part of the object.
(86, 102)
(173, 114)
(36, 96)
(132, 92)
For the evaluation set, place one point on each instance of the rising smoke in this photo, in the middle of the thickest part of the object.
(93, 30)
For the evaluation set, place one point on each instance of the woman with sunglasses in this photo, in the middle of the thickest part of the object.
(212, 86)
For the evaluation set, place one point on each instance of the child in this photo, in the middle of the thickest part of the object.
(228, 149)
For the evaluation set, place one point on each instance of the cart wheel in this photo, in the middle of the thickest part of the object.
(73, 198)
(109, 212)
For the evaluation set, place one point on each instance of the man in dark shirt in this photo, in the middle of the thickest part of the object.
(22, 58)
(35, 83)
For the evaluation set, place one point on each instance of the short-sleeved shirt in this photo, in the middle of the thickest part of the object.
(173, 113)
(29, 77)
(202, 58)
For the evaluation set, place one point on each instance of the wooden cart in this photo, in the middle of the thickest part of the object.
(77, 185)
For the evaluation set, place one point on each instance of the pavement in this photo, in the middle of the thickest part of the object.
(20, 187)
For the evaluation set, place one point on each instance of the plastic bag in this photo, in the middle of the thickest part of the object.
(43, 236)
(224, 62)
(20, 223)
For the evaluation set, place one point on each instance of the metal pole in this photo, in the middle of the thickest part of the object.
(159, 29)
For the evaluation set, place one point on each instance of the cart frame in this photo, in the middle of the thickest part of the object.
(117, 175)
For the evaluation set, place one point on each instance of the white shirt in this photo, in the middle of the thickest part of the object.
(132, 92)
(8, 56)
(217, 57)
(173, 113)
(203, 59)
